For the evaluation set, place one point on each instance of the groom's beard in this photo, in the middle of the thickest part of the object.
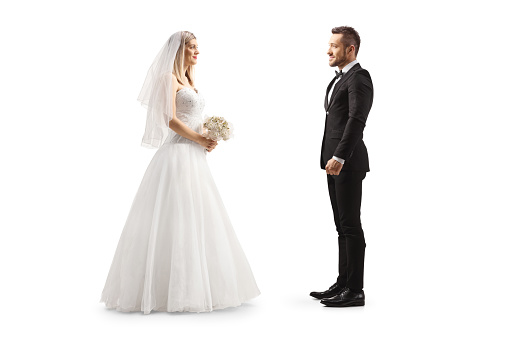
(341, 62)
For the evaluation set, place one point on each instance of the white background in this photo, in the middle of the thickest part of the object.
(434, 203)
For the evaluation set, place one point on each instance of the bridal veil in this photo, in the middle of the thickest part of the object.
(155, 94)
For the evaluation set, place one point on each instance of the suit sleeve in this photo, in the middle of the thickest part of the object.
(360, 99)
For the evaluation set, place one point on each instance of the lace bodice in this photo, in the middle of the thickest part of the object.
(189, 106)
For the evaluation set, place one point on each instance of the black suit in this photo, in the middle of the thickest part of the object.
(346, 117)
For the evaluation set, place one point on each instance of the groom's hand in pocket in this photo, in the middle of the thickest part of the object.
(333, 167)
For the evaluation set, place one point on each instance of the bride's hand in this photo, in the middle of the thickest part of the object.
(209, 144)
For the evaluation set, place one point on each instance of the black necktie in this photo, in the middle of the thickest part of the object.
(339, 74)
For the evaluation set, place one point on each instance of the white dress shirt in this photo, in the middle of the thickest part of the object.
(345, 69)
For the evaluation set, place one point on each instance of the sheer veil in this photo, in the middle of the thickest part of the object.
(155, 94)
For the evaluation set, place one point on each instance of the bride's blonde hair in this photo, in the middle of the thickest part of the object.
(178, 66)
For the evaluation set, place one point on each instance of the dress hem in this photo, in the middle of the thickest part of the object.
(179, 309)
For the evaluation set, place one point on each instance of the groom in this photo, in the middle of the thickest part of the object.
(344, 157)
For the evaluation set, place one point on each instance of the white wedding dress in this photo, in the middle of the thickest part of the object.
(178, 251)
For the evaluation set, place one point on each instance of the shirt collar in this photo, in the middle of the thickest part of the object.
(349, 66)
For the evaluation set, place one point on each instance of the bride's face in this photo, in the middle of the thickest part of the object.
(191, 53)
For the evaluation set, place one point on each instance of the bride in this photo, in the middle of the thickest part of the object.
(178, 251)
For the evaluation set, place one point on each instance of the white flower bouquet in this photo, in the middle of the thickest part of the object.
(217, 128)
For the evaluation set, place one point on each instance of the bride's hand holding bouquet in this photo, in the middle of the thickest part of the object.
(215, 129)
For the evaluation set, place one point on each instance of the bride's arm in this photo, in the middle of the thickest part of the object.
(181, 128)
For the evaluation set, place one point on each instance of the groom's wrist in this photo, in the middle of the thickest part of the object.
(342, 161)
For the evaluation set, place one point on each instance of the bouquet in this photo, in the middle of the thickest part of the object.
(217, 128)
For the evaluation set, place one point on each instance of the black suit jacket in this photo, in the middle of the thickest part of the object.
(348, 111)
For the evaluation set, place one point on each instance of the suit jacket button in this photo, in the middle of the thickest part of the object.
(327, 113)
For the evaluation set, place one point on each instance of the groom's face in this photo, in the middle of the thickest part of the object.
(337, 53)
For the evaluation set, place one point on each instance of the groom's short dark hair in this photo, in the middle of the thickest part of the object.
(350, 37)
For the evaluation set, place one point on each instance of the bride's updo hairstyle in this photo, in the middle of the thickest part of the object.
(178, 66)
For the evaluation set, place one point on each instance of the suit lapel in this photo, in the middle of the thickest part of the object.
(326, 103)
(340, 82)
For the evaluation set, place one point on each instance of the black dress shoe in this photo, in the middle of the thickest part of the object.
(345, 299)
(332, 291)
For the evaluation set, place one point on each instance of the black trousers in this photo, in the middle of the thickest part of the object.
(345, 191)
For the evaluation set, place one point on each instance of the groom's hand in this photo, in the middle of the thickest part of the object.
(333, 167)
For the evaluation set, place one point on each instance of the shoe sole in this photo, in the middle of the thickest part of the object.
(320, 298)
(346, 304)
